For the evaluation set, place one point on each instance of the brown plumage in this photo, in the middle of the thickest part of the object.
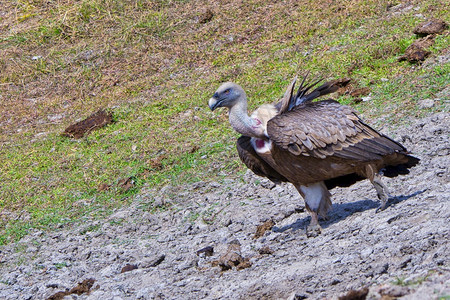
(314, 145)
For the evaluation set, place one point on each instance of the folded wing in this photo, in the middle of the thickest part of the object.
(326, 128)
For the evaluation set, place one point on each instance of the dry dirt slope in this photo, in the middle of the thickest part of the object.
(400, 251)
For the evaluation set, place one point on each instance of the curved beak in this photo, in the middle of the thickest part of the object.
(213, 103)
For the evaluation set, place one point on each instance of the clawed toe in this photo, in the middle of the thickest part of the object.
(383, 205)
(313, 230)
(380, 208)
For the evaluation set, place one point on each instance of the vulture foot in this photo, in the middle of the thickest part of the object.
(383, 205)
(313, 228)
(380, 208)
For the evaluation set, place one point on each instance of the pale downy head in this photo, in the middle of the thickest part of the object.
(227, 95)
(233, 97)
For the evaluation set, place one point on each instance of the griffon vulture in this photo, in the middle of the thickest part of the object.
(316, 146)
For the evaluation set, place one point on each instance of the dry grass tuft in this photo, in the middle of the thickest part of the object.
(154, 64)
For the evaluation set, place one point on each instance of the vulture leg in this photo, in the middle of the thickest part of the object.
(317, 202)
(382, 190)
(313, 228)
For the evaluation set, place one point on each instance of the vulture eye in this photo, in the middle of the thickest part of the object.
(226, 92)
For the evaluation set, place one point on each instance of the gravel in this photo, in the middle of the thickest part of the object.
(180, 251)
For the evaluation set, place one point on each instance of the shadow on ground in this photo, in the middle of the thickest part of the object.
(340, 212)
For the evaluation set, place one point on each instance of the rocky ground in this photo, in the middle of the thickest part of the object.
(245, 239)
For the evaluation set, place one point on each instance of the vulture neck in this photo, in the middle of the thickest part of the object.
(242, 123)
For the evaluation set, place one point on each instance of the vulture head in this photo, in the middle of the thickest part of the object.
(233, 97)
(227, 95)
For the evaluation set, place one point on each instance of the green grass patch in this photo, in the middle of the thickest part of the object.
(155, 66)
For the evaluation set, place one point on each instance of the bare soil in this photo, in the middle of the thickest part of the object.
(245, 239)
(95, 121)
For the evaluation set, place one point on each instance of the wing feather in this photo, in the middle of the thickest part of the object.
(327, 128)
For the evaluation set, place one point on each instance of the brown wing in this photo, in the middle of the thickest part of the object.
(326, 128)
(251, 159)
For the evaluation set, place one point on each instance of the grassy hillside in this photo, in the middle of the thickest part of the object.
(154, 64)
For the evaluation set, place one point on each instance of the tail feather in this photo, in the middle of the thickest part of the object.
(388, 171)
(401, 169)
(291, 100)
(303, 97)
(412, 161)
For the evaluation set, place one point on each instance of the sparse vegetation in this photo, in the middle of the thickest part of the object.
(155, 65)
(401, 281)
(60, 265)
